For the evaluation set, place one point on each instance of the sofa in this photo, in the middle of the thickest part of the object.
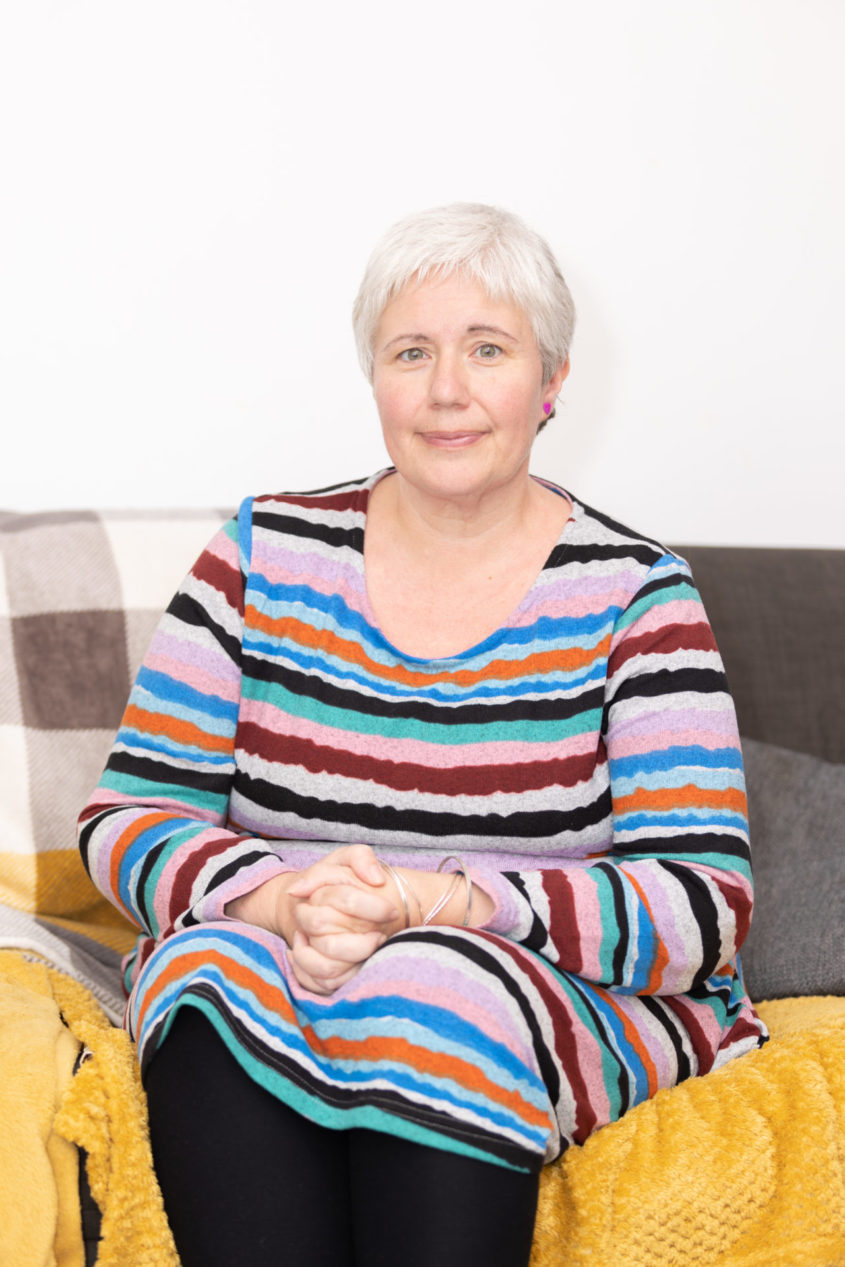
(745, 1165)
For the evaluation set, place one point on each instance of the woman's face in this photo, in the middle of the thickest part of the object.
(458, 383)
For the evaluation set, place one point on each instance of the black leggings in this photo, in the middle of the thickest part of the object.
(246, 1180)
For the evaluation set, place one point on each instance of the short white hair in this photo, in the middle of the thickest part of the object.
(493, 247)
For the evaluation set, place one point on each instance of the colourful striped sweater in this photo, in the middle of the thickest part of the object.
(584, 758)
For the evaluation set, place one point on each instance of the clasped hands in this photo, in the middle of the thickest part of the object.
(336, 913)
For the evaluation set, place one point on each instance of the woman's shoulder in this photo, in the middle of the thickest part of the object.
(348, 497)
(593, 536)
(332, 516)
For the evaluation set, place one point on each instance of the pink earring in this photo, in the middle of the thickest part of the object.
(547, 409)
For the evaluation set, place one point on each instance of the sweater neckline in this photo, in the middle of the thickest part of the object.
(497, 636)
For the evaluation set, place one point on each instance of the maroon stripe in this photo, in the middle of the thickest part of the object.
(221, 575)
(564, 930)
(404, 776)
(351, 500)
(698, 637)
(565, 1046)
(180, 894)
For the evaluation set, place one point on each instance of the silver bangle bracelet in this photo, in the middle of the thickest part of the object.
(444, 898)
(397, 880)
(464, 871)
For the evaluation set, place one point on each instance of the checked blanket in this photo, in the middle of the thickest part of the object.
(80, 594)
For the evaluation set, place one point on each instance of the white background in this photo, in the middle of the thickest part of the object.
(189, 190)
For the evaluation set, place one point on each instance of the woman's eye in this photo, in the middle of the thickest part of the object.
(489, 351)
(411, 354)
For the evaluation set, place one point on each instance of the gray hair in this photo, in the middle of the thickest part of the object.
(493, 247)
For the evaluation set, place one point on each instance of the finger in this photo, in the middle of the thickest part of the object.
(319, 920)
(322, 985)
(360, 859)
(333, 953)
(363, 861)
(343, 949)
(322, 873)
(348, 900)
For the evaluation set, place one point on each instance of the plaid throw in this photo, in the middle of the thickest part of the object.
(80, 594)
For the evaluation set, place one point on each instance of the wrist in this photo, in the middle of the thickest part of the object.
(268, 906)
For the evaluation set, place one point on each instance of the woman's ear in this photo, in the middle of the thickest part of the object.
(557, 379)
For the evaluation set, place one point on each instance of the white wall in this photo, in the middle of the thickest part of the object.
(189, 190)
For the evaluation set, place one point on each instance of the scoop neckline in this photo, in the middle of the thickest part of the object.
(497, 635)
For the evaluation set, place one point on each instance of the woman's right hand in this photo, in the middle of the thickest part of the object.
(342, 915)
(333, 915)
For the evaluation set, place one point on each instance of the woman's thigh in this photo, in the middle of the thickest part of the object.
(452, 1037)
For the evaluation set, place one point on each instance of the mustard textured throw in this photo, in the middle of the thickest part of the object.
(101, 1108)
(742, 1168)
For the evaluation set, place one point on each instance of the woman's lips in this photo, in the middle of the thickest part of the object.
(451, 439)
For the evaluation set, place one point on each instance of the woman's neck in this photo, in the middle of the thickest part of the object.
(426, 524)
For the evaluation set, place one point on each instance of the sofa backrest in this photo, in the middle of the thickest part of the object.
(779, 619)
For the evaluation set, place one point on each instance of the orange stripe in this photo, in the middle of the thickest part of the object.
(680, 797)
(662, 958)
(123, 844)
(271, 997)
(351, 653)
(183, 732)
(436, 1063)
(632, 1034)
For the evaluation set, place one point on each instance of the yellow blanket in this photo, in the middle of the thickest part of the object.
(742, 1168)
(45, 1111)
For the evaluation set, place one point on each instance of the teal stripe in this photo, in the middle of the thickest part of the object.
(528, 730)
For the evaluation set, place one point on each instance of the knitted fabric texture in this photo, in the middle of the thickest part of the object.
(718, 1170)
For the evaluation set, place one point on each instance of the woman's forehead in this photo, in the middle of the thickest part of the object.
(456, 302)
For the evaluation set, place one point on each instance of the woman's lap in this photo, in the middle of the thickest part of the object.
(455, 1038)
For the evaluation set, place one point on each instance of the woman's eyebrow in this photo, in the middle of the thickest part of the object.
(406, 338)
(418, 337)
(496, 330)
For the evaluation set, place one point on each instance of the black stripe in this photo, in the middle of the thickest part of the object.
(670, 1023)
(538, 936)
(86, 832)
(672, 581)
(186, 608)
(544, 823)
(308, 530)
(691, 842)
(310, 686)
(669, 682)
(476, 951)
(705, 917)
(565, 554)
(621, 915)
(161, 772)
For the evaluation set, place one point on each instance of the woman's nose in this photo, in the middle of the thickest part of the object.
(448, 384)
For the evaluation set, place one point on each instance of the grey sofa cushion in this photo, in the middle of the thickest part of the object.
(796, 945)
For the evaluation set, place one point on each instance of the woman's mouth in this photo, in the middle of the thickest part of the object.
(451, 439)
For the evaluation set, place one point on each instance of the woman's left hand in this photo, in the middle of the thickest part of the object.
(343, 914)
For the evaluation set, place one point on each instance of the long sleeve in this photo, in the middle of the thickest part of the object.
(670, 902)
(153, 835)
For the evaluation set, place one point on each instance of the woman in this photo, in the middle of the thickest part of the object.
(429, 801)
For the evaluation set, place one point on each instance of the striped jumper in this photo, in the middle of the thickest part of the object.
(583, 759)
